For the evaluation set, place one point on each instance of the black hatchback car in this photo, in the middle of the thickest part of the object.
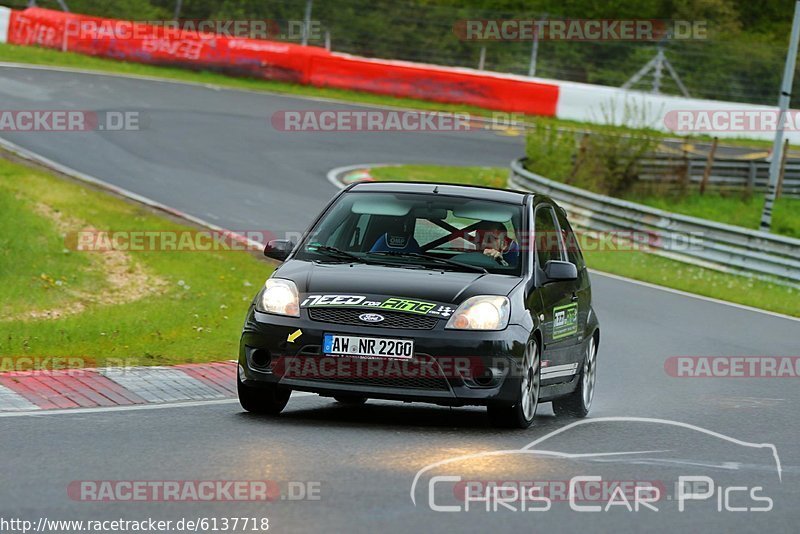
(435, 293)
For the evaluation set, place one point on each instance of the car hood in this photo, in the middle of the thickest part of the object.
(361, 279)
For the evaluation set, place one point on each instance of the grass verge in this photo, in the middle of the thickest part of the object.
(730, 209)
(141, 308)
(632, 264)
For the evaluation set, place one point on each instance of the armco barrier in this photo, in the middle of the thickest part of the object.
(503, 92)
(733, 174)
(689, 239)
(600, 104)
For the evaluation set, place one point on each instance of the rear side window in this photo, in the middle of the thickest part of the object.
(574, 253)
(546, 236)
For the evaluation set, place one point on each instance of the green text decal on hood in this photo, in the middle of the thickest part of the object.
(391, 303)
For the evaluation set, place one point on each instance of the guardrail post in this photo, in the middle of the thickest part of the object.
(684, 173)
(751, 177)
(307, 22)
(783, 169)
(709, 164)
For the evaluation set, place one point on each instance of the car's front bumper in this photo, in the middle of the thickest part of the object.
(449, 366)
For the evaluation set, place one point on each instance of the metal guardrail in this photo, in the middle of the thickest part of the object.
(696, 241)
(751, 175)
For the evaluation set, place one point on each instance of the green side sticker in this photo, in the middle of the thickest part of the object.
(565, 321)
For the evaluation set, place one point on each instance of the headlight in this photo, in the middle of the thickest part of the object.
(279, 297)
(481, 313)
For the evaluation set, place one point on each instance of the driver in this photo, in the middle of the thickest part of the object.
(493, 238)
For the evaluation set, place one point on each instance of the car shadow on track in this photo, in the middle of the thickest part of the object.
(387, 415)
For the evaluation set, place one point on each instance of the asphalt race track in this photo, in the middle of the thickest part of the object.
(214, 154)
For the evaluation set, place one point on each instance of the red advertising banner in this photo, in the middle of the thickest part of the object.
(275, 60)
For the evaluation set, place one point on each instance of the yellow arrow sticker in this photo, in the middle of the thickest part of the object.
(294, 335)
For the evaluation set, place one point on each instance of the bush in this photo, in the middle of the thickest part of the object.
(550, 151)
(605, 163)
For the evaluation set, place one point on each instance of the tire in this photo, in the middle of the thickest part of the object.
(267, 400)
(351, 400)
(579, 402)
(521, 414)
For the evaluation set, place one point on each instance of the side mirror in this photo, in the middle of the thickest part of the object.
(278, 249)
(560, 271)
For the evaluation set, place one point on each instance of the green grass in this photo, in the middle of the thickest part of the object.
(194, 315)
(486, 176)
(633, 264)
(730, 209)
(30, 277)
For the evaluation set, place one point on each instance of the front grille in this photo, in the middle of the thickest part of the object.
(423, 372)
(390, 319)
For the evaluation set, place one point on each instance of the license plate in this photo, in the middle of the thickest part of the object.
(367, 347)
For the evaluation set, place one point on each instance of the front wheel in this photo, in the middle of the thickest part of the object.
(579, 402)
(269, 399)
(521, 414)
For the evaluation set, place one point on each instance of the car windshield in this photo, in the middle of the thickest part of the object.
(419, 231)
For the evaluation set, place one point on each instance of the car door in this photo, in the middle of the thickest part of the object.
(582, 289)
(558, 301)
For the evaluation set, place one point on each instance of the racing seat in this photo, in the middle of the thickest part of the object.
(399, 237)
(389, 242)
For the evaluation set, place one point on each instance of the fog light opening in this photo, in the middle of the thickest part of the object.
(260, 358)
(485, 378)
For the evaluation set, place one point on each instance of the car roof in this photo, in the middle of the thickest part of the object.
(469, 191)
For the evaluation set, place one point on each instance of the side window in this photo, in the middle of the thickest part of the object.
(574, 253)
(548, 244)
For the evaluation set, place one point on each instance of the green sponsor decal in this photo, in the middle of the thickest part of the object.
(391, 303)
(565, 321)
(407, 305)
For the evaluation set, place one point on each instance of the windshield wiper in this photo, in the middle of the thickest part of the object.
(334, 252)
(435, 259)
(338, 253)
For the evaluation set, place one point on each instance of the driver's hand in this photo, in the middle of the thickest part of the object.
(496, 255)
(493, 253)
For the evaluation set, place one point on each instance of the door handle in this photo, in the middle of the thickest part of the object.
(574, 297)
